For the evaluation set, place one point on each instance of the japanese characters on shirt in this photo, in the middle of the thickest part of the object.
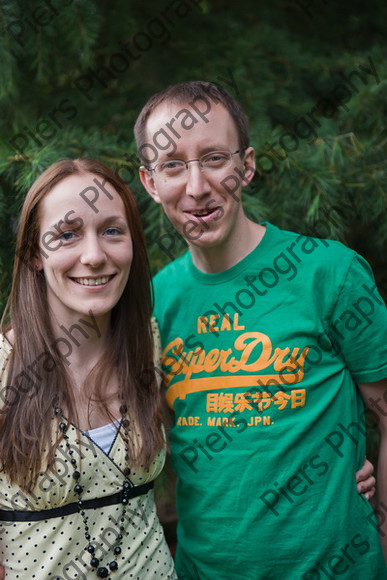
(252, 362)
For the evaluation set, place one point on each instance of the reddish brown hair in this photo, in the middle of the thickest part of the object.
(27, 411)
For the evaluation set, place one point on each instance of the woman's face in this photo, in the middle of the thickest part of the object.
(85, 247)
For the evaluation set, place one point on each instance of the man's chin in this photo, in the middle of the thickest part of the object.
(206, 241)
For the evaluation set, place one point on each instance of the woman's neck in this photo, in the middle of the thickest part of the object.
(81, 342)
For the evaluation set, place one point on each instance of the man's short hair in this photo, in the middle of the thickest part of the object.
(183, 93)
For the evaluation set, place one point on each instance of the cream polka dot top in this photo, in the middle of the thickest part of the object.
(42, 534)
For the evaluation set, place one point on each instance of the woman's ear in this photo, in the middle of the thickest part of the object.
(37, 264)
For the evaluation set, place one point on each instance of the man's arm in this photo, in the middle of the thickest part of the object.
(375, 398)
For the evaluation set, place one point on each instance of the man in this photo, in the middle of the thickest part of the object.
(265, 355)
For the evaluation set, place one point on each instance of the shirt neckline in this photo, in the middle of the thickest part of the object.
(241, 266)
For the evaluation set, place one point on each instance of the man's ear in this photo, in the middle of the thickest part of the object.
(148, 182)
(249, 165)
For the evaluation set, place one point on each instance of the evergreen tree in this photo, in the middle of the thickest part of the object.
(310, 74)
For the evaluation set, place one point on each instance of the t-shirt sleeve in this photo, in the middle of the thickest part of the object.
(358, 324)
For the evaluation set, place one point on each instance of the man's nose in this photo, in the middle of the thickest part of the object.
(197, 181)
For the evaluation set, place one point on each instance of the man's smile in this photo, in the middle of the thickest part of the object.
(203, 212)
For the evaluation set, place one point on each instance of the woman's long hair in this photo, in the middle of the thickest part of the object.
(38, 380)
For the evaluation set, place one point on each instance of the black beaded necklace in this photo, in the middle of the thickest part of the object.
(95, 563)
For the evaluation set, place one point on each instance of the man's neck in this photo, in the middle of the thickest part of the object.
(215, 259)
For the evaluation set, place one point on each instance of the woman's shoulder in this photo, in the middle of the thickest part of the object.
(6, 341)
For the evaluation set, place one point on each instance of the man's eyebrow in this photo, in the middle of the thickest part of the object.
(204, 151)
(209, 149)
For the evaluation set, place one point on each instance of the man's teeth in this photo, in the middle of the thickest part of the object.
(92, 281)
(203, 212)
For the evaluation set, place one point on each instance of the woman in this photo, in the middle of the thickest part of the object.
(81, 438)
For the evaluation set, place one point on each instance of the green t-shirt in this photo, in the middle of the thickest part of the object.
(261, 362)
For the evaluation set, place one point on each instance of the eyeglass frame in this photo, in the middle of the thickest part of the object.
(197, 159)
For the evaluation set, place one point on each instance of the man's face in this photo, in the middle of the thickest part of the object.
(204, 206)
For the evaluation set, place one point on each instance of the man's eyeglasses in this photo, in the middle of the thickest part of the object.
(212, 162)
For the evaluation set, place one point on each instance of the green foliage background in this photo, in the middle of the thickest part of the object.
(278, 58)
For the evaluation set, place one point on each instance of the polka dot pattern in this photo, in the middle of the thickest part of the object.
(56, 548)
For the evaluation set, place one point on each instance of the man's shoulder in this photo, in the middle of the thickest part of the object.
(329, 250)
(170, 284)
(174, 269)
